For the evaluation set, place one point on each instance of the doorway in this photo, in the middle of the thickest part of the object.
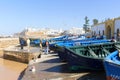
(109, 32)
(118, 31)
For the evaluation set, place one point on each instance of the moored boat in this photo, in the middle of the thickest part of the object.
(112, 66)
(88, 57)
(34, 41)
(65, 39)
(60, 47)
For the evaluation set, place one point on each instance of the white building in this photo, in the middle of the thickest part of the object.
(98, 29)
(110, 28)
(76, 31)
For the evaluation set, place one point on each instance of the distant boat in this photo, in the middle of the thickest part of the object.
(112, 66)
(63, 39)
(22, 39)
(89, 57)
(34, 41)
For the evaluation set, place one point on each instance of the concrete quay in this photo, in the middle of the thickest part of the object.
(21, 55)
(49, 67)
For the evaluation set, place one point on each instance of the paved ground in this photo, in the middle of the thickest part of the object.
(49, 67)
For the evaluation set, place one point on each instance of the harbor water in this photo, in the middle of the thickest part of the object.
(10, 70)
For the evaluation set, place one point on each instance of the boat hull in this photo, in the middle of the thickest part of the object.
(62, 54)
(60, 47)
(88, 57)
(76, 62)
(112, 66)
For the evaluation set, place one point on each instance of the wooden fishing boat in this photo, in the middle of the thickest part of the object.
(60, 47)
(112, 66)
(89, 57)
(64, 40)
(23, 39)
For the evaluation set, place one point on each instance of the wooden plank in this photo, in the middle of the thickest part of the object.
(91, 52)
(106, 51)
(117, 46)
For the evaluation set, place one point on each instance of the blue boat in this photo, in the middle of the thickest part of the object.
(64, 40)
(52, 41)
(57, 38)
(34, 41)
(89, 57)
(112, 66)
(22, 39)
(60, 47)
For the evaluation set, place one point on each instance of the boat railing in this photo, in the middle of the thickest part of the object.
(117, 47)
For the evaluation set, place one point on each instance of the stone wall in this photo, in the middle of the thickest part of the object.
(6, 42)
(20, 55)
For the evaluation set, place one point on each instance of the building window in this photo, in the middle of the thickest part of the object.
(108, 32)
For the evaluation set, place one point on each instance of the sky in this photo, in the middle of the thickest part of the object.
(16, 15)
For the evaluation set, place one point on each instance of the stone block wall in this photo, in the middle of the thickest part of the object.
(6, 42)
(20, 56)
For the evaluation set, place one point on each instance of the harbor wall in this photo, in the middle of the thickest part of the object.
(20, 56)
(6, 42)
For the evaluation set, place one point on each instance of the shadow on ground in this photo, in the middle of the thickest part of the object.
(93, 76)
(54, 68)
(21, 74)
(64, 68)
(55, 60)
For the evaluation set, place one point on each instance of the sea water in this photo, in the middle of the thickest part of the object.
(10, 70)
